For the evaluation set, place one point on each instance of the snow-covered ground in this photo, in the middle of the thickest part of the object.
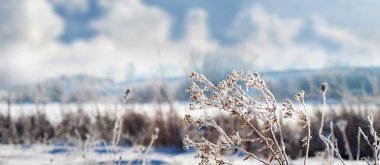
(100, 154)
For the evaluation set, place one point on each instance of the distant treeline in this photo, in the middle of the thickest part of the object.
(347, 84)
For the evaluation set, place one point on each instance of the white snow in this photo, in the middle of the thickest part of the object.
(44, 154)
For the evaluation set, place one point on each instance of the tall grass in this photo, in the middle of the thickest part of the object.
(270, 138)
(246, 96)
(136, 126)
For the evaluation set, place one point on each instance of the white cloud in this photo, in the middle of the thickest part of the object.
(273, 45)
(40, 24)
(129, 32)
(29, 21)
(131, 22)
(141, 34)
(271, 26)
(355, 50)
(33, 28)
(197, 34)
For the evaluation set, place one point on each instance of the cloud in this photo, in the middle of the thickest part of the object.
(356, 51)
(129, 32)
(141, 34)
(274, 46)
(31, 22)
(197, 36)
(130, 21)
(30, 30)
(133, 32)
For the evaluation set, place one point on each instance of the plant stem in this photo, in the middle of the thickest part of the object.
(358, 148)
(308, 134)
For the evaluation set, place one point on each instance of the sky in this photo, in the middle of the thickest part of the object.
(41, 39)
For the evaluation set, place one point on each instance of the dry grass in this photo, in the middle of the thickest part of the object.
(138, 127)
(261, 123)
(272, 140)
(33, 129)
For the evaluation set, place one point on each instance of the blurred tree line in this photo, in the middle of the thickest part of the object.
(347, 84)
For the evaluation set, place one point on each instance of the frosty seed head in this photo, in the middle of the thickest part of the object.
(324, 87)
(126, 94)
(300, 96)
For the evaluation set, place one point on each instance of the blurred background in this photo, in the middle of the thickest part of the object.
(103, 47)
(79, 56)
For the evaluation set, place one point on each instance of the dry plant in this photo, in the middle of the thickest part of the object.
(152, 140)
(119, 122)
(375, 145)
(342, 124)
(229, 96)
(117, 130)
(301, 116)
(330, 141)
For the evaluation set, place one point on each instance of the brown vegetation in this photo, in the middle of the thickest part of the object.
(137, 128)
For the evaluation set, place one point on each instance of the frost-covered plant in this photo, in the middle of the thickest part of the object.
(375, 145)
(329, 141)
(154, 137)
(301, 116)
(342, 124)
(117, 130)
(229, 96)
